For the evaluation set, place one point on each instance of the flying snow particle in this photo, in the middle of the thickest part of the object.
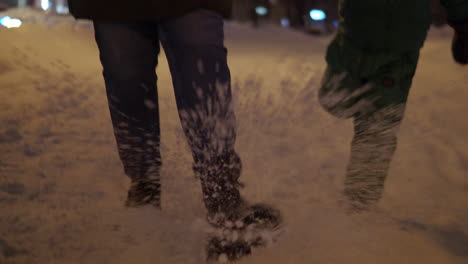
(223, 258)
(200, 66)
(150, 104)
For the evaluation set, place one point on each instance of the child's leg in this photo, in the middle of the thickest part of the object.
(372, 88)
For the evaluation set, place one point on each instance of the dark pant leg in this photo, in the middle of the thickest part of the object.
(128, 53)
(372, 149)
(375, 136)
(194, 45)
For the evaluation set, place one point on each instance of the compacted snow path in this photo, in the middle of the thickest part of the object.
(62, 187)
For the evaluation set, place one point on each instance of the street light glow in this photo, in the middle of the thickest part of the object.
(261, 10)
(10, 22)
(45, 4)
(317, 15)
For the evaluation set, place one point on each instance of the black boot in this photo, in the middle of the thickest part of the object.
(460, 41)
(255, 224)
(145, 190)
(247, 227)
(223, 251)
(219, 178)
(237, 225)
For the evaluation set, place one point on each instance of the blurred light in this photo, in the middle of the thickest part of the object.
(261, 10)
(336, 23)
(62, 10)
(317, 14)
(285, 22)
(45, 4)
(10, 22)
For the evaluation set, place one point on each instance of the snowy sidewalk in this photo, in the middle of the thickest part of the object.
(62, 187)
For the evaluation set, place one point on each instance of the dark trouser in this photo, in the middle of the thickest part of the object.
(373, 89)
(376, 133)
(197, 58)
(372, 150)
(375, 136)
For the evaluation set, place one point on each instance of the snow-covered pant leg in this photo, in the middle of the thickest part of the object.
(376, 131)
(373, 89)
(194, 45)
(372, 149)
(129, 55)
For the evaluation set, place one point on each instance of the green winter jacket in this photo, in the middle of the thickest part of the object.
(142, 10)
(373, 58)
(392, 25)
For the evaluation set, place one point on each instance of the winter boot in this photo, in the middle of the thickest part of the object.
(236, 225)
(460, 41)
(145, 190)
(223, 251)
(256, 224)
(235, 234)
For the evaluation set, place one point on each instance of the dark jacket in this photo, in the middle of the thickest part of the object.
(142, 10)
(392, 25)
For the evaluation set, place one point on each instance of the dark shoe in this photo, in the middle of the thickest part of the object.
(460, 41)
(144, 192)
(234, 235)
(219, 181)
(257, 225)
(223, 251)
(237, 226)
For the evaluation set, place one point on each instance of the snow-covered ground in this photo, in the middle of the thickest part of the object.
(62, 187)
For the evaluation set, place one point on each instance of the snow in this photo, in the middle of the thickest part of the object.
(36, 16)
(62, 186)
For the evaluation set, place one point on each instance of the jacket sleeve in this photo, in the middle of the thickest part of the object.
(457, 10)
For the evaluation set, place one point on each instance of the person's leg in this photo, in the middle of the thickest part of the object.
(129, 53)
(375, 133)
(194, 45)
(198, 62)
(372, 149)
